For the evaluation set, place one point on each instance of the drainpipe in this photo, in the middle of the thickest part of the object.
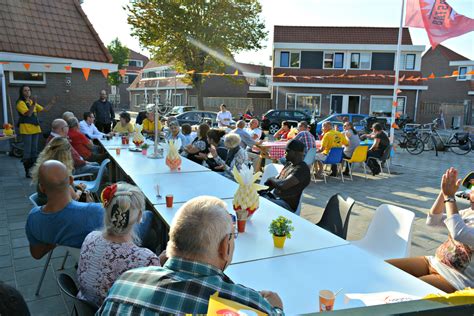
(416, 106)
(4, 94)
(276, 104)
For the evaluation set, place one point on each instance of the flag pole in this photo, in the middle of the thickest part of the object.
(397, 75)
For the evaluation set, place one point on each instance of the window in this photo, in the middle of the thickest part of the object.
(382, 105)
(135, 63)
(462, 73)
(131, 78)
(125, 79)
(333, 60)
(410, 61)
(307, 103)
(27, 77)
(355, 60)
(290, 59)
(360, 61)
(137, 99)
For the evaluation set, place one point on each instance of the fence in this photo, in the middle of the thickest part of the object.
(453, 112)
(234, 105)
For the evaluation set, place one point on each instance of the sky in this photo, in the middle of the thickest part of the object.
(110, 21)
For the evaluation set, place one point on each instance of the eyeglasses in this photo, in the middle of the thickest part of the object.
(235, 233)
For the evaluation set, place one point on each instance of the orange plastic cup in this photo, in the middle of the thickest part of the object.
(169, 200)
(326, 300)
(117, 151)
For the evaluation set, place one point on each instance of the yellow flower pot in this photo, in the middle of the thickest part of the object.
(279, 241)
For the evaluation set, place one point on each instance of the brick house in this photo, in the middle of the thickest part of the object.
(61, 42)
(136, 62)
(252, 86)
(349, 51)
(454, 95)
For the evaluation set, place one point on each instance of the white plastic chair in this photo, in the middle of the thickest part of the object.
(298, 209)
(389, 234)
(310, 156)
(93, 186)
(34, 199)
(271, 170)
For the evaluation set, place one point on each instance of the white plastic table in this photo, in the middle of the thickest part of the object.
(134, 163)
(298, 278)
(116, 141)
(256, 242)
(184, 185)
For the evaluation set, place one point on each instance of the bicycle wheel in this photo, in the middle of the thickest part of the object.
(414, 145)
(457, 148)
(427, 141)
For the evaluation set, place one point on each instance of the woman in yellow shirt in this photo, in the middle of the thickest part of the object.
(124, 126)
(30, 129)
(149, 123)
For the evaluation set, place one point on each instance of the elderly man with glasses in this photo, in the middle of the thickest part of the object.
(201, 246)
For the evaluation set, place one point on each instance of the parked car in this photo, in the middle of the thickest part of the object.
(339, 119)
(179, 109)
(371, 120)
(271, 120)
(198, 117)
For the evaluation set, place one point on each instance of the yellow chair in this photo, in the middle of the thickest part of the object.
(359, 156)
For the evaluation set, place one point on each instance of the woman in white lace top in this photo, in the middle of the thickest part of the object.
(106, 254)
(452, 266)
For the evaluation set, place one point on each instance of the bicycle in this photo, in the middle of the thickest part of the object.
(458, 142)
(411, 141)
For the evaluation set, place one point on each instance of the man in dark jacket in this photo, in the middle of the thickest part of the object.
(104, 113)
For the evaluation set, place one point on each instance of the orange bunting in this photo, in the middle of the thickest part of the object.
(236, 72)
(395, 103)
(105, 72)
(397, 115)
(399, 91)
(395, 126)
(294, 77)
(307, 77)
(47, 66)
(86, 72)
(402, 78)
(4, 62)
(455, 73)
(67, 68)
(206, 73)
(122, 72)
(432, 76)
(364, 75)
(280, 75)
(447, 76)
(27, 66)
(470, 72)
(381, 76)
(190, 72)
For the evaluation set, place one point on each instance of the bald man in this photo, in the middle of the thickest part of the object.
(253, 130)
(61, 221)
(103, 112)
(246, 139)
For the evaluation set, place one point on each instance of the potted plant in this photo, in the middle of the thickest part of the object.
(145, 148)
(280, 228)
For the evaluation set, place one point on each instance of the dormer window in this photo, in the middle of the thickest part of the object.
(462, 73)
(135, 63)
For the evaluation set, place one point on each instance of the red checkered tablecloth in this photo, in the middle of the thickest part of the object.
(276, 150)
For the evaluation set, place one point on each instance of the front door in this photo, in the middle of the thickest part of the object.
(336, 103)
(353, 104)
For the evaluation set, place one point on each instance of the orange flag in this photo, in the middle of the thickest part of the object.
(122, 72)
(397, 115)
(27, 66)
(4, 62)
(68, 68)
(206, 73)
(280, 75)
(47, 66)
(455, 73)
(395, 103)
(401, 78)
(470, 72)
(395, 126)
(294, 77)
(190, 72)
(399, 91)
(432, 76)
(105, 72)
(86, 72)
(236, 72)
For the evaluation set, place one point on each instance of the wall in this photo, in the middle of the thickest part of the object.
(77, 98)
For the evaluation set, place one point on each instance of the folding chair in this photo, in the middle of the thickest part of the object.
(359, 156)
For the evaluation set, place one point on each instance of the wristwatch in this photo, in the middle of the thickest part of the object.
(450, 199)
(278, 311)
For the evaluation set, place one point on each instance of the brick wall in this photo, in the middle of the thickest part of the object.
(326, 97)
(78, 97)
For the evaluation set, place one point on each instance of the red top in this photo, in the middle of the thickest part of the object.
(80, 143)
(78, 161)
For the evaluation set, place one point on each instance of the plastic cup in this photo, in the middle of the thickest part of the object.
(326, 300)
(169, 200)
(117, 151)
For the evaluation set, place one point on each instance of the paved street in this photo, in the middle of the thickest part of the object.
(413, 185)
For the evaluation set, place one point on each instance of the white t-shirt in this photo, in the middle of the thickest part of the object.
(224, 118)
(253, 132)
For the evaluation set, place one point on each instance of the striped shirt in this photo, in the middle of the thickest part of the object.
(179, 287)
(307, 139)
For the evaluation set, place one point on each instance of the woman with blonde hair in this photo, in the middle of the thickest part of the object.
(236, 155)
(59, 149)
(106, 254)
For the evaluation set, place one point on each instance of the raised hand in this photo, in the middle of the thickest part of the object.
(450, 182)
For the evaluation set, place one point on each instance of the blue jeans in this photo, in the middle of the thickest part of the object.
(30, 145)
(91, 167)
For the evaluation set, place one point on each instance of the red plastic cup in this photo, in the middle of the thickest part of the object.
(124, 140)
(117, 151)
(169, 200)
(241, 226)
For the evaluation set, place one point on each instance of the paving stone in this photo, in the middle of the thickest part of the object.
(21, 252)
(6, 274)
(49, 287)
(32, 276)
(4, 250)
(5, 261)
(4, 240)
(28, 263)
(20, 242)
(4, 232)
(17, 225)
(48, 306)
(17, 233)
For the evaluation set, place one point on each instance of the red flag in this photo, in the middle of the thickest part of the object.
(438, 18)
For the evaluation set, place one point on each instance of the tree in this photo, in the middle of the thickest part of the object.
(170, 29)
(120, 54)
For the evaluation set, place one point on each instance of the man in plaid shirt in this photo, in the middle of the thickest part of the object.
(305, 136)
(201, 246)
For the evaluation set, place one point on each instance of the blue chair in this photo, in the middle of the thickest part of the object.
(334, 158)
(93, 186)
(34, 199)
